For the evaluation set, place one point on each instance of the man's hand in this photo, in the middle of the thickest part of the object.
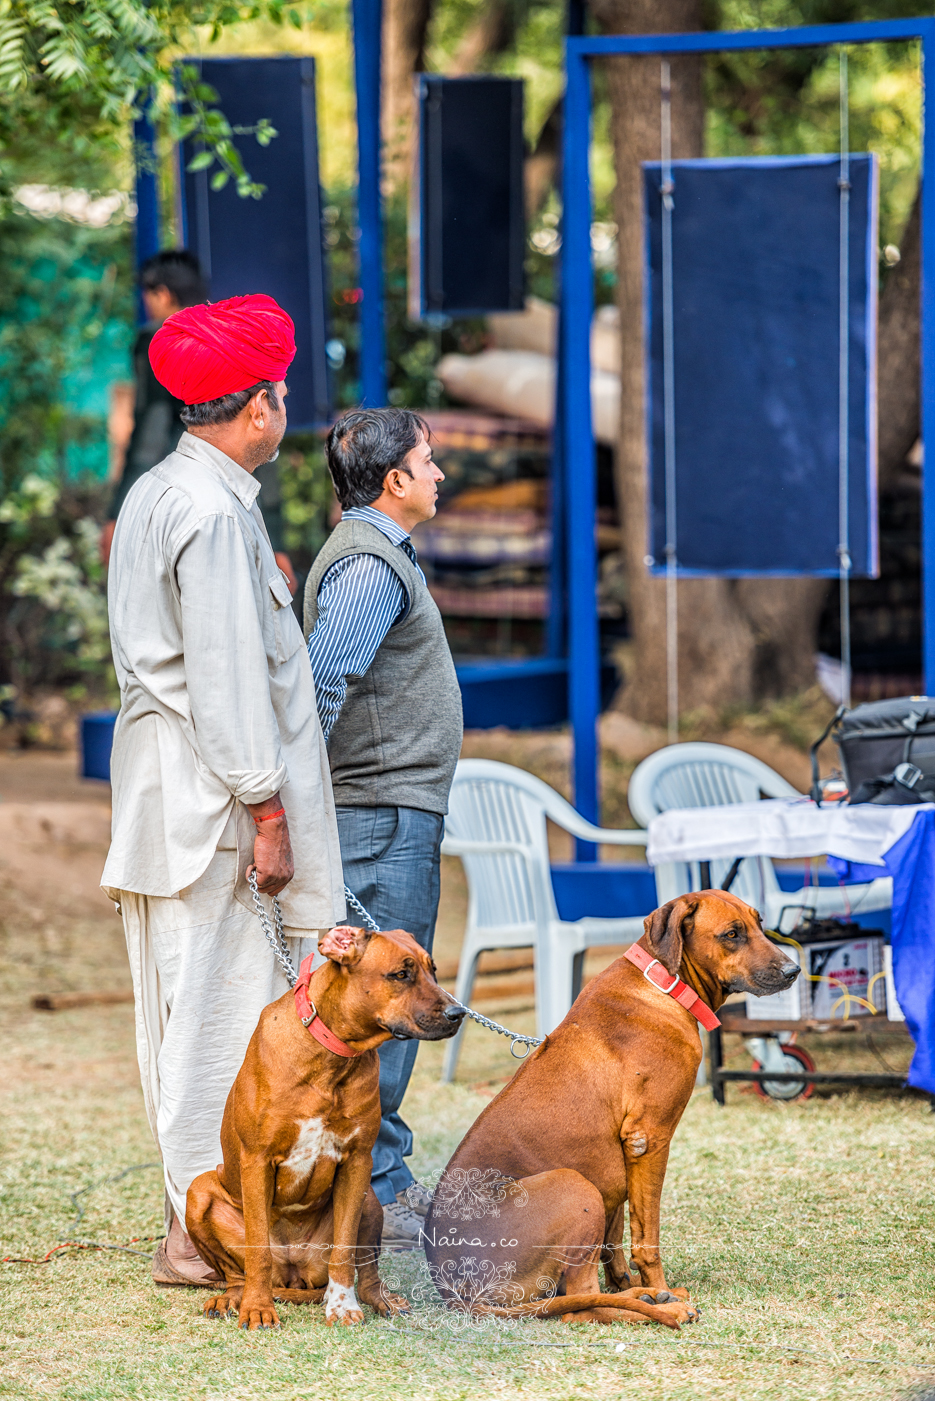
(272, 849)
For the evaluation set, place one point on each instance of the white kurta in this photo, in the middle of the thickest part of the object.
(217, 701)
(217, 710)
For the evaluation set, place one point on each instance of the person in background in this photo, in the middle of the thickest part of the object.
(169, 280)
(390, 709)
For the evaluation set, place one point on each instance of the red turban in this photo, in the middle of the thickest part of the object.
(203, 352)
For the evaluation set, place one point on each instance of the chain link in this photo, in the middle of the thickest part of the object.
(514, 1036)
(277, 942)
(275, 938)
(365, 915)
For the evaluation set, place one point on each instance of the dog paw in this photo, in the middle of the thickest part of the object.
(341, 1306)
(681, 1312)
(222, 1306)
(390, 1305)
(259, 1314)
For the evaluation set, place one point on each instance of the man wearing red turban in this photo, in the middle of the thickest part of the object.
(218, 766)
(203, 353)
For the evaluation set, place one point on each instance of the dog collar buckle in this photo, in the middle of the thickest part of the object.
(307, 1013)
(657, 986)
(684, 995)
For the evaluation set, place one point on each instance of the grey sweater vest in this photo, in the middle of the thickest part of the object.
(398, 737)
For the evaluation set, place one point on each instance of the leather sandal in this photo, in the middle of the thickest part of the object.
(167, 1276)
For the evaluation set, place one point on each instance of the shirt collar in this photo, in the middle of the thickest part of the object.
(241, 482)
(393, 532)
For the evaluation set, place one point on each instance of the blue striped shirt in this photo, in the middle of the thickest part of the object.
(359, 600)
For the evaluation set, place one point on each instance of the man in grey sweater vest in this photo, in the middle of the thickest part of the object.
(390, 709)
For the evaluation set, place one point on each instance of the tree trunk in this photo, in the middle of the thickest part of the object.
(493, 32)
(540, 170)
(898, 384)
(739, 640)
(405, 23)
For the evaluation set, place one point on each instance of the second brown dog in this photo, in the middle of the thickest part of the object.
(537, 1193)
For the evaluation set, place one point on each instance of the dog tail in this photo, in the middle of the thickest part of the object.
(578, 1303)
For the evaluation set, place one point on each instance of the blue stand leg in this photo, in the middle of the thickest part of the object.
(578, 445)
(147, 239)
(927, 349)
(368, 18)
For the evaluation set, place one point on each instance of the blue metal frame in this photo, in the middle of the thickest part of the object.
(577, 293)
(368, 21)
(147, 231)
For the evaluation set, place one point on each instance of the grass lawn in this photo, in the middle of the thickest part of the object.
(804, 1230)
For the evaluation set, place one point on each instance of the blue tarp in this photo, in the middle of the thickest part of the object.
(755, 260)
(911, 863)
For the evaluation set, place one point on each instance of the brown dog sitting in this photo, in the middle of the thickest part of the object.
(534, 1196)
(290, 1212)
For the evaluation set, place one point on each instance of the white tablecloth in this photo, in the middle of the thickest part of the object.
(779, 827)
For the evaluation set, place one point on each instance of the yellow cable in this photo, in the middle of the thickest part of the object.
(848, 997)
(852, 997)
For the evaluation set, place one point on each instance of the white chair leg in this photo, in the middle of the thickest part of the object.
(555, 976)
(464, 987)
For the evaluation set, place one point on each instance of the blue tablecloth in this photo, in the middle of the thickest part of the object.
(911, 863)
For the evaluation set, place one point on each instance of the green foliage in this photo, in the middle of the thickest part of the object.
(785, 101)
(72, 71)
(307, 498)
(60, 285)
(215, 135)
(53, 595)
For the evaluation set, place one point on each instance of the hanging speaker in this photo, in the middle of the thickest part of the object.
(272, 244)
(468, 247)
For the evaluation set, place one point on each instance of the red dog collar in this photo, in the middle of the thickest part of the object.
(307, 1013)
(683, 994)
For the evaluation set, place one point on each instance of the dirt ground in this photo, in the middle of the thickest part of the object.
(804, 1229)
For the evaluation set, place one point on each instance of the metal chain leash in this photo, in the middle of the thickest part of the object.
(274, 937)
(515, 1038)
(277, 942)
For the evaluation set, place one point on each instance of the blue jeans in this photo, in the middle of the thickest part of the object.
(391, 863)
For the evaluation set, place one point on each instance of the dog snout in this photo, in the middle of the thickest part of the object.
(775, 977)
(453, 1012)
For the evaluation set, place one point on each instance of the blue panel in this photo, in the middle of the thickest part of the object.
(97, 739)
(593, 889)
(521, 695)
(756, 291)
(273, 244)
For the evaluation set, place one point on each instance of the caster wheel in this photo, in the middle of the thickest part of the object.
(795, 1059)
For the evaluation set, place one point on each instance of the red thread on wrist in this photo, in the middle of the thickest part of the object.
(270, 815)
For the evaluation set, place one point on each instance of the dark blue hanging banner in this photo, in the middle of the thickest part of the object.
(273, 244)
(756, 340)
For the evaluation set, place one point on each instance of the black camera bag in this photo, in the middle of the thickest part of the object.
(887, 750)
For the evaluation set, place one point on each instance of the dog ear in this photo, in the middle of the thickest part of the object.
(667, 927)
(344, 945)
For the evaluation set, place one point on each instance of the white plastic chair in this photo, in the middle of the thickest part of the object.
(711, 775)
(496, 824)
